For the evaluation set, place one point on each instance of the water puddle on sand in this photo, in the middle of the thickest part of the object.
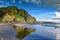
(9, 32)
(29, 32)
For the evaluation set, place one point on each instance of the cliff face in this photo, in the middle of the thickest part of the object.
(12, 14)
(28, 18)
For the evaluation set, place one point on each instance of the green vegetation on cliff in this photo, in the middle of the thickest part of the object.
(12, 14)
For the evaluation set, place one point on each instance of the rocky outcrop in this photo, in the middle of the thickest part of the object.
(12, 14)
(28, 18)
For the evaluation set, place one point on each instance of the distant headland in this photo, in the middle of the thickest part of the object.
(12, 14)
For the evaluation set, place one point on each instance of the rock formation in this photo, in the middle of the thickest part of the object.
(12, 14)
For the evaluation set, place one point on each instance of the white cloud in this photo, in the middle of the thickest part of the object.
(1, 1)
(20, 2)
(26, 0)
(53, 3)
(13, 1)
(5, 5)
(36, 2)
(57, 14)
(45, 15)
(33, 0)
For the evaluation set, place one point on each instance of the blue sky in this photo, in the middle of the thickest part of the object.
(37, 8)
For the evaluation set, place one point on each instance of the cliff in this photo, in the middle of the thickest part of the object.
(12, 14)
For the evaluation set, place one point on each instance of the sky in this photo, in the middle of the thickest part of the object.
(40, 9)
